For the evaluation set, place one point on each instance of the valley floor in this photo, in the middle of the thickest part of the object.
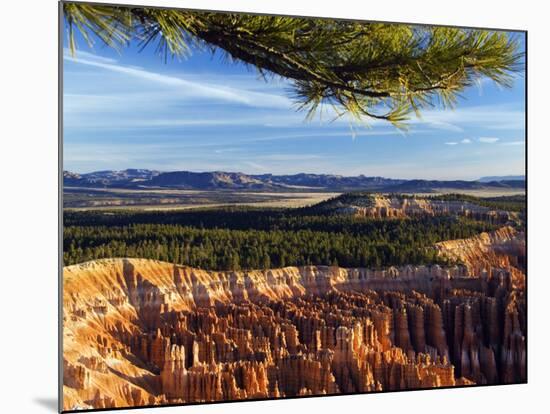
(79, 198)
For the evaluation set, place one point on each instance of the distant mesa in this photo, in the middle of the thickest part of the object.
(379, 206)
(219, 180)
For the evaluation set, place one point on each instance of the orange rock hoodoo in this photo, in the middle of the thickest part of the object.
(140, 332)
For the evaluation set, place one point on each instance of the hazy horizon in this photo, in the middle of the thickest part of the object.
(291, 173)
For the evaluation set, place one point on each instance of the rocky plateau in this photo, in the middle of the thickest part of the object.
(388, 206)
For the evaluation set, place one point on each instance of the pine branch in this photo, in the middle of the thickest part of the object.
(358, 66)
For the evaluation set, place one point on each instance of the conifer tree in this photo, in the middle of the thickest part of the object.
(366, 70)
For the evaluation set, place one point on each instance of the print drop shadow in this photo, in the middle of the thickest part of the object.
(47, 402)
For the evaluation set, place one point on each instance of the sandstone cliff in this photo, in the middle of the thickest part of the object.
(142, 332)
(503, 248)
(382, 206)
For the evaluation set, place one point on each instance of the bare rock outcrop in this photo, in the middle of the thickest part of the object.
(382, 206)
(143, 332)
(504, 248)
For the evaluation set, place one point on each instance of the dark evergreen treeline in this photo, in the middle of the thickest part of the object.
(242, 238)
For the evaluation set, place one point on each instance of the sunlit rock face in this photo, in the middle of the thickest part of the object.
(504, 248)
(381, 206)
(143, 332)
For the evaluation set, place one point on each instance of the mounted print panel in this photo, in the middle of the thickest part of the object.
(261, 207)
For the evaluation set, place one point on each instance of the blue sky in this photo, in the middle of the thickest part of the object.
(133, 110)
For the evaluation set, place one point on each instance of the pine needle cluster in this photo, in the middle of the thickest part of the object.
(366, 70)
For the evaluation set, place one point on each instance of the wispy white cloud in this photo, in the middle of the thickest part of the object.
(485, 140)
(177, 121)
(341, 131)
(492, 117)
(67, 55)
(513, 143)
(488, 140)
(289, 157)
(186, 87)
(464, 141)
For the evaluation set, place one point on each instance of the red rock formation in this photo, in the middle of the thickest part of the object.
(142, 332)
(380, 206)
(488, 252)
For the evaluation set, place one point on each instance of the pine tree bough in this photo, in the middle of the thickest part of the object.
(367, 70)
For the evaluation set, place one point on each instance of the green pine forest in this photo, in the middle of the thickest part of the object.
(240, 238)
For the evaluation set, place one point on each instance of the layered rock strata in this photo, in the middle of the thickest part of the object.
(504, 248)
(143, 332)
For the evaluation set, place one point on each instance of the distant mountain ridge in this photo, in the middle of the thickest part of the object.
(502, 178)
(207, 180)
(143, 178)
(108, 178)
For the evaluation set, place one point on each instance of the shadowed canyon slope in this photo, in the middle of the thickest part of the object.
(140, 332)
